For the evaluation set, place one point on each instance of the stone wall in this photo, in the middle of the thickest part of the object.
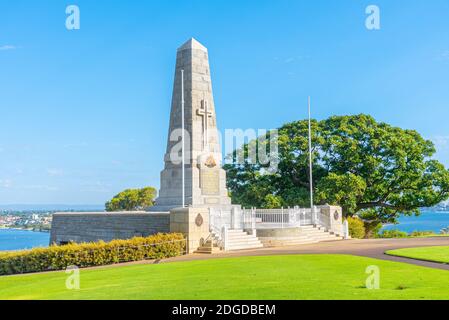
(91, 227)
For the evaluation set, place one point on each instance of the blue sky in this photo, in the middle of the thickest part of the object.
(85, 113)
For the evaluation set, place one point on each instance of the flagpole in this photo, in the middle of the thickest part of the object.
(310, 161)
(183, 143)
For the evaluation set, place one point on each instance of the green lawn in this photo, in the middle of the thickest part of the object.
(436, 254)
(271, 277)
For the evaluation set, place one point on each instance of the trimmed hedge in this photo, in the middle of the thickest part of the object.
(389, 234)
(356, 228)
(422, 233)
(92, 254)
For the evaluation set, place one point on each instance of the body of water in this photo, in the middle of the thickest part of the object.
(12, 239)
(427, 221)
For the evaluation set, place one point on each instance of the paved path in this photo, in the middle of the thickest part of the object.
(374, 248)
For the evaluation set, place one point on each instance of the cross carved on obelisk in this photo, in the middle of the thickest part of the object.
(204, 112)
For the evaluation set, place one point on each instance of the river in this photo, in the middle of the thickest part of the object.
(13, 239)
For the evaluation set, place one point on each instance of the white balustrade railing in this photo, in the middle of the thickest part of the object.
(285, 217)
(252, 219)
(307, 217)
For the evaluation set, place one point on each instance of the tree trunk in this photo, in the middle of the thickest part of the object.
(370, 229)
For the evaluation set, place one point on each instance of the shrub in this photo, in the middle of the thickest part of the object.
(356, 228)
(92, 254)
(422, 233)
(393, 234)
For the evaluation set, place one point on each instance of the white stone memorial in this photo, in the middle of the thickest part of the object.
(205, 180)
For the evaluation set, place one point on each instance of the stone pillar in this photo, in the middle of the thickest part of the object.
(335, 215)
(205, 179)
(346, 229)
(193, 223)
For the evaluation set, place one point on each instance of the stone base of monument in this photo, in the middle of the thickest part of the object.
(207, 229)
(193, 223)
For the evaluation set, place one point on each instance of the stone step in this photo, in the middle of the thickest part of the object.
(312, 228)
(318, 232)
(244, 247)
(281, 243)
(208, 250)
(333, 238)
(324, 235)
(313, 234)
(241, 236)
(236, 231)
(284, 238)
(314, 231)
(243, 243)
(306, 235)
(319, 235)
(242, 240)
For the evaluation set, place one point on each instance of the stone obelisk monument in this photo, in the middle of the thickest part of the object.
(205, 180)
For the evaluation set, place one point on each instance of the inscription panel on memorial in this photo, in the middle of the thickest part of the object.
(210, 182)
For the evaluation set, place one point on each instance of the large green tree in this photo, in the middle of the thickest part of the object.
(371, 169)
(132, 200)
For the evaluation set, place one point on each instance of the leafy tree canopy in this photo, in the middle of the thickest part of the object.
(369, 168)
(132, 200)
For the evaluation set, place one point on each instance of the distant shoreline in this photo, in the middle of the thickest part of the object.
(20, 229)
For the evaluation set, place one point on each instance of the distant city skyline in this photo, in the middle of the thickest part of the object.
(85, 112)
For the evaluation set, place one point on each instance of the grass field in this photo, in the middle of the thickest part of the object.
(271, 277)
(436, 254)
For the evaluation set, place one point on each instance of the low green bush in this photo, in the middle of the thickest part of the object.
(92, 254)
(392, 234)
(356, 228)
(422, 233)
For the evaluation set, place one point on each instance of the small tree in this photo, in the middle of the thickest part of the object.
(132, 200)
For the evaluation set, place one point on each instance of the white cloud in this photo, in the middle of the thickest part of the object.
(441, 141)
(41, 187)
(5, 183)
(291, 59)
(96, 186)
(53, 172)
(81, 144)
(7, 47)
(442, 56)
